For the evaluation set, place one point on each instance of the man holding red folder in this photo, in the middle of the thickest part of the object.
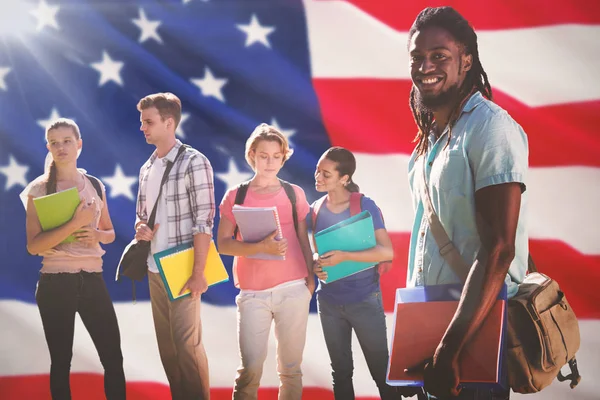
(472, 157)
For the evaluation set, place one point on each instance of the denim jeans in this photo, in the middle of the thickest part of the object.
(59, 297)
(367, 318)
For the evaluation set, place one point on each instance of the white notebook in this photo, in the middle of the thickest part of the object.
(255, 224)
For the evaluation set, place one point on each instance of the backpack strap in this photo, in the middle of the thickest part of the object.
(291, 194)
(240, 196)
(289, 191)
(96, 183)
(355, 203)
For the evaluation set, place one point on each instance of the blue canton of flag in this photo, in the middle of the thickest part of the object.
(233, 65)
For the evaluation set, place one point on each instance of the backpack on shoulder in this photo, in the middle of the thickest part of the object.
(242, 190)
(355, 208)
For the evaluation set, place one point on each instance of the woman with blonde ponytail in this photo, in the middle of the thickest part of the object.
(71, 276)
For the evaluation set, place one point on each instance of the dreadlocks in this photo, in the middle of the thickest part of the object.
(476, 79)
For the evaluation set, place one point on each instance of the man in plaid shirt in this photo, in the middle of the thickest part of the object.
(185, 213)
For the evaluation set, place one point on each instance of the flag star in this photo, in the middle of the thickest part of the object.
(233, 176)
(148, 28)
(179, 131)
(45, 15)
(54, 115)
(255, 32)
(210, 86)
(120, 184)
(110, 70)
(16, 174)
(3, 72)
(288, 133)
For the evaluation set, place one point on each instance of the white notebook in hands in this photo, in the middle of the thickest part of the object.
(255, 224)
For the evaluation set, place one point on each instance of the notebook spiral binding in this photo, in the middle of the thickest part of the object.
(279, 235)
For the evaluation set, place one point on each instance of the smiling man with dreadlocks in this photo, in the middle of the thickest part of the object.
(474, 158)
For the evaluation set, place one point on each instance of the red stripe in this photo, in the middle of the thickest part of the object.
(572, 270)
(492, 14)
(353, 109)
(90, 387)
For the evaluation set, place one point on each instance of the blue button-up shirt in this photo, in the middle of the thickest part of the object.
(487, 147)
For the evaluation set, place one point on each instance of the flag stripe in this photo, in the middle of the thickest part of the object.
(552, 195)
(354, 110)
(27, 377)
(528, 64)
(492, 14)
(552, 257)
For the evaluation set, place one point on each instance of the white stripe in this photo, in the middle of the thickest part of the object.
(563, 201)
(539, 66)
(23, 350)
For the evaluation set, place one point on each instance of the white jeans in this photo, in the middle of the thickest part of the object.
(288, 307)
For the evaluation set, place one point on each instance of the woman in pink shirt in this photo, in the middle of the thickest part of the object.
(270, 290)
(71, 276)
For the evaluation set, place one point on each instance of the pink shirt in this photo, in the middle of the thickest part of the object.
(255, 274)
(75, 256)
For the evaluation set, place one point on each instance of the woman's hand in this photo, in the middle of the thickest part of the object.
(274, 247)
(318, 270)
(332, 258)
(85, 213)
(87, 235)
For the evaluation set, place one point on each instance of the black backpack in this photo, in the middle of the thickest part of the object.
(289, 191)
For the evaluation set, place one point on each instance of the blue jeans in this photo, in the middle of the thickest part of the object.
(367, 318)
(59, 298)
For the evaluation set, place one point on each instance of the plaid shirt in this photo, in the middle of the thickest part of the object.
(189, 191)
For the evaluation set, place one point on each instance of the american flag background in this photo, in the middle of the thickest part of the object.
(326, 72)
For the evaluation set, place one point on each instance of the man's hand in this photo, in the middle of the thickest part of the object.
(143, 232)
(441, 375)
(196, 285)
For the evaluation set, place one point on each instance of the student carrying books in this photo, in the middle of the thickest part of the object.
(271, 289)
(353, 302)
(71, 276)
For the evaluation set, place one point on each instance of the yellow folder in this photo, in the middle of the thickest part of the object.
(175, 266)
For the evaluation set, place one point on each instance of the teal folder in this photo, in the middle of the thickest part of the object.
(353, 234)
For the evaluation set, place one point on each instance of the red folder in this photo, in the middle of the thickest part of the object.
(418, 329)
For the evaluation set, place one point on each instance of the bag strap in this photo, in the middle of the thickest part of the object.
(162, 183)
(240, 196)
(291, 194)
(355, 203)
(446, 248)
(242, 190)
(96, 184)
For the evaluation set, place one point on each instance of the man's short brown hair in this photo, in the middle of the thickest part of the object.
(167, 104)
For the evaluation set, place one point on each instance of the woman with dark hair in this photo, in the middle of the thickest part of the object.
(354, 302)
(71, 276)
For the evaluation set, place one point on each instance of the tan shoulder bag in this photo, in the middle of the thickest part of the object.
(542, 333)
